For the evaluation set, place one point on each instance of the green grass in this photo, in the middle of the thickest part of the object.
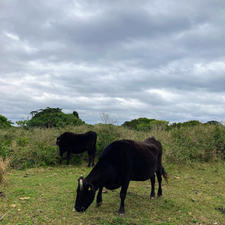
(193, 196)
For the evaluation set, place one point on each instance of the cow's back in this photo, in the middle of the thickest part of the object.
(90, 137)
(77, 143)
(67, 139)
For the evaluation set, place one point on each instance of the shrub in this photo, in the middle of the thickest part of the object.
(219, 140)
(5, 145)
(106, 134)
(35, 155)
(198, 143)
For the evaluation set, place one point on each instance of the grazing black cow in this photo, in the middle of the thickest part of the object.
(121, 162)
(77, 143)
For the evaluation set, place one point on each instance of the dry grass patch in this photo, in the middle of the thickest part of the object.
(3, 167)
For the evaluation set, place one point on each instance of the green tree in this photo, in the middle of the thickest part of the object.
(189, 123)
(146, 124)
(213, 122)
(4, 122)
(52, 117)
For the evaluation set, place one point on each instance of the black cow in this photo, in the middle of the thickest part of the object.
(121, 162)
(77, 143)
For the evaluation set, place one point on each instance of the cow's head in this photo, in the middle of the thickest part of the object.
(58, 140)
(59, 143)
(85, 195)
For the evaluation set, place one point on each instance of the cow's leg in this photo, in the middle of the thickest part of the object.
(68, 158)
(93, 160)
(61, 156)
(89, 159)
(152, 195)
(123, 193)
(99, 197)
(93, 156)
(60, 161)
(159, 177)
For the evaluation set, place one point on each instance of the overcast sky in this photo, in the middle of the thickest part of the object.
(157, 59)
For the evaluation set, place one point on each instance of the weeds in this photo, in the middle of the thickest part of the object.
(36, 147)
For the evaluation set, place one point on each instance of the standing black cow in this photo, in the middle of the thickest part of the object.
(77, 143)
(121, 162)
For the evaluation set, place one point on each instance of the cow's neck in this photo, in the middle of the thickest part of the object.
(96, 177)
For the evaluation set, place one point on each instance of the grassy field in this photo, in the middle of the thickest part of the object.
(195, 195)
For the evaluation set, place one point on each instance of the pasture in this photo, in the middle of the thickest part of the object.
(37, 190)
(195, 195)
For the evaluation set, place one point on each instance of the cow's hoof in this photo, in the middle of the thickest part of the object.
(121, 212)
(152, 197)
(98, 204)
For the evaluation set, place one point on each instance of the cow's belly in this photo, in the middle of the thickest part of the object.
(112, 186)
(78, 150)
(142, 172)
(113, 179)
(142, 177)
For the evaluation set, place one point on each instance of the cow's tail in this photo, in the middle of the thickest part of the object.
(165, 175)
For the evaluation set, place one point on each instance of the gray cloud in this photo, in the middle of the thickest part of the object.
(159, 59)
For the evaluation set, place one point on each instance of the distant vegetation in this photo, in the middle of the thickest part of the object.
(4, 122)
(55, 118)
(145, 124)
(33, 144)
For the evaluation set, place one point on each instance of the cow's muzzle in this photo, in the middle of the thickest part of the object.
(79, 209)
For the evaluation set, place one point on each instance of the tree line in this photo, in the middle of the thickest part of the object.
(54, 117)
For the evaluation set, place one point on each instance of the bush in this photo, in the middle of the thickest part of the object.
(39, 155)
(106, 134)
(219, 143)
(5, 145)
(198, 143)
